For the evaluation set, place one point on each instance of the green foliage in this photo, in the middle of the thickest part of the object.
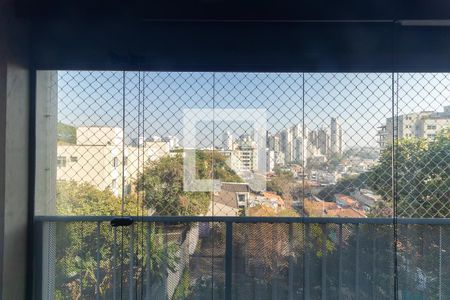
(284, 184)
(334, 160)
(66, 134)
(162, 183)
(423, 176)
(214, 164)
(362, 152)
(206, 287)
(278, 183)
(160, 256)
(344, 186)
(84, 199)
(76, 254)
(183, 289)
(317, 240)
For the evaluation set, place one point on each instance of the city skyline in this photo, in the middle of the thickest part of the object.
(362, 101)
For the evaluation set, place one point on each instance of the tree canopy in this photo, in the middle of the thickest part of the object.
(162, 183)
(422, 169)
(84, 199)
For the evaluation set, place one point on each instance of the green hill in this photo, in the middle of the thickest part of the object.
(66, 134)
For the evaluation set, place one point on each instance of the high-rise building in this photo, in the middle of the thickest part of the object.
(274, 142)
(300, 150)
(286, 144)
(274, 156)
(299, 144)
(227, 141)
(323, 141)
(270, 158)
(336, 136)
(319, 142)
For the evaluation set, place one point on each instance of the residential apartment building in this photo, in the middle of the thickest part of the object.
(425, 124)
(99, 158)
(244, 158)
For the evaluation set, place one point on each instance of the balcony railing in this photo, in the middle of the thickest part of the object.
(242, 258)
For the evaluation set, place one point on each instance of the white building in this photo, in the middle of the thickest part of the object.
(270, 156)
(243, 159)
(173, 141)
(100, 158)
(299, 144)
(99, 136)
(274, 142)
(286, 144)
(425, 124)
(227, 141)
(336, 136)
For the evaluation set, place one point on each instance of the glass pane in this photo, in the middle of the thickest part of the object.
(423, 140)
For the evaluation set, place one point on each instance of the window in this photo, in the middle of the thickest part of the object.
(61, 161)
(242, 199)
(320, 127)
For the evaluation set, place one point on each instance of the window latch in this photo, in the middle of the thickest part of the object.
(122, 221)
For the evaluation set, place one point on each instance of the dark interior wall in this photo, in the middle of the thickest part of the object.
(275, 10)
(385, 46)
(265, 35)
(215, 46)
(14, 152)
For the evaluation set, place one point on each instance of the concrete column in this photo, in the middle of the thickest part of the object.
(14, 122)
(46, 132)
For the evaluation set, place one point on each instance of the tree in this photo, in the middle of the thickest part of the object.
(213, 164)
(344, 186)
(84, 199)
(66, 134)
(162, 183)
(284, 184)
(334, 160)
(78, 243)
(422, 176)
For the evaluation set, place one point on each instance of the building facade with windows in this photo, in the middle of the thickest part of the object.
(425, 124)
(100, 159)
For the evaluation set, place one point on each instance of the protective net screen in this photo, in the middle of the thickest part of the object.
(217, 260)
(243, 144)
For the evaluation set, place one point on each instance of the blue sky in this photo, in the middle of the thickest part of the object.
(154, 101)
